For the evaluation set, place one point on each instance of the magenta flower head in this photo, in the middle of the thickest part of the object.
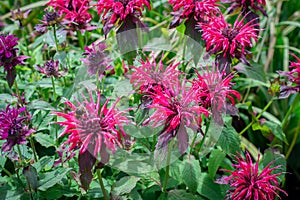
(8, 56)
(122, 12)
(175, 109)
(212, 91)
(93, 127)
(250, 184)
(96, 60)
(293, 77)
(228, 42)
(75, 12)
(50, 68)
(197, 10)
(13, 128)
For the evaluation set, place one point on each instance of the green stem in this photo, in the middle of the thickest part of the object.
(291, 109)
(6, 171)
(80, 39)
(55, 37)
(293, 142)
(18, 91)
(101, 184)
(167, 167)
(257, 118)
(20, 153)
(53, 86)
(33, 148)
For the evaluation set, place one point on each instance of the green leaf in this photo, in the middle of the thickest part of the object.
(191, 172)
(276, 130)
(40, 105)
(51, 178)
(181, 195)
(45, 162)
(125, 185)
(215, 159)
(175, 170)
(44, 139)
(209, 189)
(30, 174)
(229, 140)
(270, 155)
(58, 191)
(122, 88)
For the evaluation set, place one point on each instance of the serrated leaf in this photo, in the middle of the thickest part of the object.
(191, 173)
(209, 189)
(40, 105)
(45, 162)
(45, 140)
(215, 159)
(229, 140)
(276, 130)
(270, 155)
(125, 185)
(52, 178)
(181, 195)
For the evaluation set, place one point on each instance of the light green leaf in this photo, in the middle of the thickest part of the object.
(215, 159)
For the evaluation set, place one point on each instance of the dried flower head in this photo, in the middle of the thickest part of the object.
(50, 18)
(250, 184)
(20, 16)
(8, 56)
(13, 128)
(246, 5)
(121, 11)
(96, 60)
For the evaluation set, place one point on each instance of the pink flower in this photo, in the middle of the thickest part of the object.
(75, 11)
(13, 128)
(8, 56)
(228, 42)
(249, 184)
(93, 127)
(199, 10)
(96, 60)
(175, 109)
(121, 11)
(212, 89)
(151, 75)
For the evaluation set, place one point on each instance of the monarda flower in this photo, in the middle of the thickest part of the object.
(50, 69)
(250, 184)
(293, 77)
(95, 130)
(175, 109)
(96, 59)
(192, 11)
(125, 13)
(212, 91)
(50, 18)
(75, 12)
(228, 42)
(8, 56)
(13, 128)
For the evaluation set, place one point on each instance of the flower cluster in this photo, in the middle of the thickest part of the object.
(199, 10)
(8, 56)
(13, 128)
(93, 127)
(96, 60)
(121, 11)
(228, 42)
(250, 184)
(75, 12)
(50, 18)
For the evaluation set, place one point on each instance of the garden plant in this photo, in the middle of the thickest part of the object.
(150, 99)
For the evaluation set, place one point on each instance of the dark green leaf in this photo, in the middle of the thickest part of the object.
(191, 173)
(30, 174)
(125, 185)
(44, 139)
(272, 155)
(51, 178)
(181, 195)
(215, 159)
(209, 189)
(229, 140)
(276, 130)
